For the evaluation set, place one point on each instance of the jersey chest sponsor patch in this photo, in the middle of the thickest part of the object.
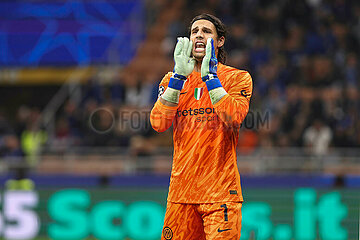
(198, 92)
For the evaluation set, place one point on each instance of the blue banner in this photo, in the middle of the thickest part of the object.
(70, 32)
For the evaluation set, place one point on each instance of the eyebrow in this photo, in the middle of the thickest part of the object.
(205, 28)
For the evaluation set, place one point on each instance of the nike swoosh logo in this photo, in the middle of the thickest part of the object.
(183, 92)
(223, 230)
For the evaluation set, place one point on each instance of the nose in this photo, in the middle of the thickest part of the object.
(199, 35)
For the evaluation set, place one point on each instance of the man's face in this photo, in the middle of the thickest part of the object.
(201, 30)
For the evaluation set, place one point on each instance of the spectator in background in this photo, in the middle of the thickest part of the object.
(5, 127)
(21, 154)
(72, 116)
(297, 51)
(317, 138)
(352, 71)
(33, 138)
(138, 93)
(303, 55)
(62, 138)
(11, 148)
(17, 165)
(22, 116)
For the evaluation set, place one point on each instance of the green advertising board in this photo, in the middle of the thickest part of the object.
(137, 214)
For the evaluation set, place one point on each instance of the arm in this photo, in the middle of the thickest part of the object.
(162, 116)
(163, 112)
(233, 107)
(165, 108)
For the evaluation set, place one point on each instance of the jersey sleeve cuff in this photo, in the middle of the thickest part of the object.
(166, 110)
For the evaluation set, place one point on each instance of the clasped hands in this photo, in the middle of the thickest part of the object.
(184, 63)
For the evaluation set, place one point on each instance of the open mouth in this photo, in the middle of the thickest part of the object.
(199, 47)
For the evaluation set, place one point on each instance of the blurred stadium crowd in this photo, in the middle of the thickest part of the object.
(303, 56)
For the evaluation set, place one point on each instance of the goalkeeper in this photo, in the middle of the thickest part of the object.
(205, 101)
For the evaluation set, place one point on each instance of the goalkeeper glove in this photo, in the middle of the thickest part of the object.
(184, 65)
(209, 73)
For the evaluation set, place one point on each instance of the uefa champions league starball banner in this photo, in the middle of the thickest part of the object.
(43, 32)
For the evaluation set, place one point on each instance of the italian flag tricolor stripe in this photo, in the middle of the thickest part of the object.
(198, 93)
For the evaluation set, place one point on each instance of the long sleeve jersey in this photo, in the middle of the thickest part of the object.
(204, 168)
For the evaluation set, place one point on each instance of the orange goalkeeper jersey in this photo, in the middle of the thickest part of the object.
(204, 168)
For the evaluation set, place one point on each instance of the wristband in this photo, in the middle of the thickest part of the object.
(177, 81)
(212, 83)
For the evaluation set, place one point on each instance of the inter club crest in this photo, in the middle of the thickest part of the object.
(198, 93)
(167, 233)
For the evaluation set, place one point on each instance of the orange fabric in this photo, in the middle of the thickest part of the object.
(205, 137)
(202, 221)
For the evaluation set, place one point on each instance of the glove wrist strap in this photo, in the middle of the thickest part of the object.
(179, 76)
(177, 81)
(212, 81)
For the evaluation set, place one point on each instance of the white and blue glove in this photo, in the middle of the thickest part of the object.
(209, 73)
(184, 65)
(210, 62)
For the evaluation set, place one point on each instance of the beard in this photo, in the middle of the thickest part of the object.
(198, 56)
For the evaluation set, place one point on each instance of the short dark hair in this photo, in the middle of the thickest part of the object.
(220, 30)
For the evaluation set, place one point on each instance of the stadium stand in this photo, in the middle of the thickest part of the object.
(303, 57)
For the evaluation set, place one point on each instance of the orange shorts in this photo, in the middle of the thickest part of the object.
(209, 221)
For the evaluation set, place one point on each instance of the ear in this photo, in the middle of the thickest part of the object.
(221, 41)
